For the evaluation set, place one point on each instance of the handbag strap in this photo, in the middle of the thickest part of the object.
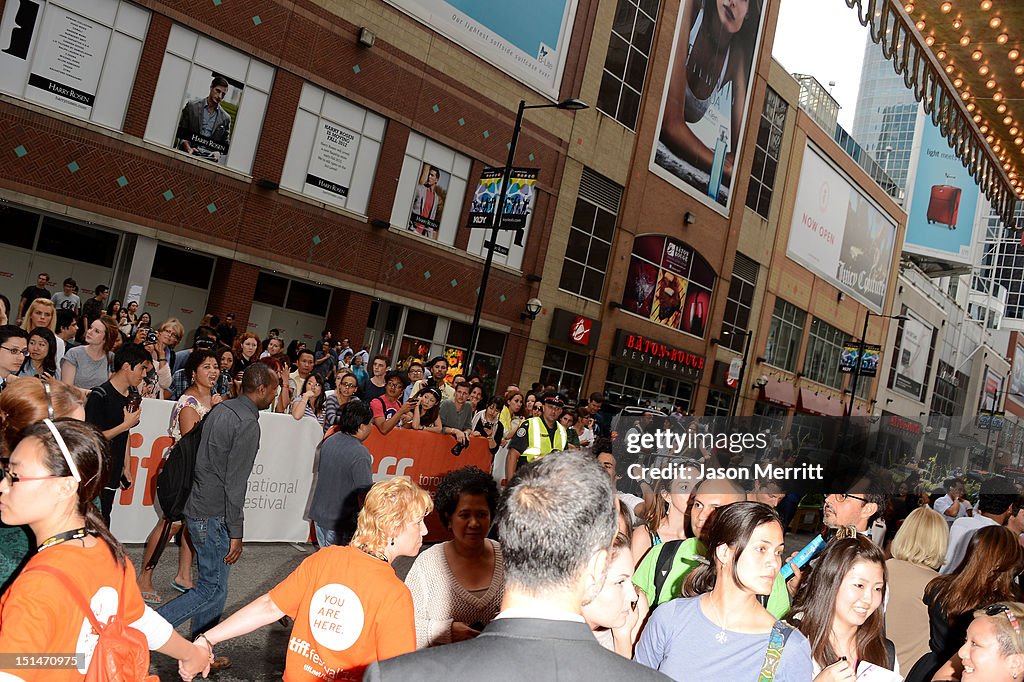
(776, 643)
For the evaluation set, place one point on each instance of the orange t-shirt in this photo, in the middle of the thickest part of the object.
(350, 609)
(38, 616)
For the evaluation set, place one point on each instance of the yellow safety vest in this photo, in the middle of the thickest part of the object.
(538, 442)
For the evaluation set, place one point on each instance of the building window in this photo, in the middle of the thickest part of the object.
(625, 66)
(79, 243)
(741, 299)
(785, 335)
(766, 154)
(78, 58)
(195, 66)
(183, 266)
(631, 386)
(292, 294)
(718, 404)
(431, 190)
(824, 348)
(486, 361)
(590, 238)
(565, 370)
(333, 151)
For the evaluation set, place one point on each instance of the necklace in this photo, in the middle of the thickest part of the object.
(721, 637)
(76, 534)
(375, 555)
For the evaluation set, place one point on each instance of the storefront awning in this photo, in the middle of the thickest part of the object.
(778, 393)
(814, 403)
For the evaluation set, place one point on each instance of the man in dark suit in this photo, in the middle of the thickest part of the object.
(556, 523)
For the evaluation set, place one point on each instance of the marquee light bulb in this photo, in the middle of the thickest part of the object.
(1002, 38)
(957, 23)
(983, 129)
(929, 41)
(965, 40)
(1013, 54)
(1001, 108)
(994, 22)
(990, 83)
(986, 5)
(983, 69)
(950, 69)
(920, 25)
(909, 7)
(1019, 70)
(970, 106)
(957, 82)
(998, 97)
(946, 7)
(977, 55)
(1007, 120)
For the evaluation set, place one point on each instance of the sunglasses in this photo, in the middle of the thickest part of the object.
(13, 478)
(996, 609)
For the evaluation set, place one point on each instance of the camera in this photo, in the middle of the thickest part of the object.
(457, 450)
(150, 337)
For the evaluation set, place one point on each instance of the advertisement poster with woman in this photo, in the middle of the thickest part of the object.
(706, 98)
(428, 201)
(669, 283)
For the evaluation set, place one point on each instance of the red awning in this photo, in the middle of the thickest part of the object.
(779, 393)
(820, 405)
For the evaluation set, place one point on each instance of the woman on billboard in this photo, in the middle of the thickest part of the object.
(702, 117)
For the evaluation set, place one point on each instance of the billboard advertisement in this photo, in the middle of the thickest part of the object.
(839, 234)
(1017, 375)
(911, 360)
(518, 199)
(943, 202)
(668, 282)
(868, 366)
(705, 103)
(528, 40)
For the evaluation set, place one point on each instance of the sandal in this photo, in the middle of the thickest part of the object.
(152, 598)
(179, 588)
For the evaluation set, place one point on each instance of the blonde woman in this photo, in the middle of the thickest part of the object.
(41, 313)
(918, 550)
(369, 611)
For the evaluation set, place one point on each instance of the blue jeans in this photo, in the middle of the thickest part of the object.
(325, 537)
(204, 603)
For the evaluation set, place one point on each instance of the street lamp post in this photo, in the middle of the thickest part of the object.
(570, 104)
(734, 407)
(861, 345)
(860, 354)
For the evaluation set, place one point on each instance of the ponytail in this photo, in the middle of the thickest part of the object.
(701, 579)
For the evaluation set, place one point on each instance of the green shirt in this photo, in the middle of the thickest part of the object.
(684, 562)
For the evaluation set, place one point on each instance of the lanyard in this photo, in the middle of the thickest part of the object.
(76, 534)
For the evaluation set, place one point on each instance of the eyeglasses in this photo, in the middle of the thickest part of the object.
(996, 609)
(12, 478)
(16, 351)
(395, 384)
(844, 496)
(349, 384)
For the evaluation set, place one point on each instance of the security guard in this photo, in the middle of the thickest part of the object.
(538, 435)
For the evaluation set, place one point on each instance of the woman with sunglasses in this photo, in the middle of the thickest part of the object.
(24, 402)
(994, 650)
(985, 576)
(55, 473)
(348, 386)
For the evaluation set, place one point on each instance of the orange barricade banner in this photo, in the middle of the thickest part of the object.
(424, 457)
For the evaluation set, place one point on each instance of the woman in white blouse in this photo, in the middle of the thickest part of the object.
(457, 585)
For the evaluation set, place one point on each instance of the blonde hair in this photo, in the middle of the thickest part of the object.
(389, 505)
(174, 324)
(26, 322)
(1010, 641)
(922, 539)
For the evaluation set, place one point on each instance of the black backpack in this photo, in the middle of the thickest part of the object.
(174, 484)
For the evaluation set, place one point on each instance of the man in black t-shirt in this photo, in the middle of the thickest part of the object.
(115, 408)
(32, 293)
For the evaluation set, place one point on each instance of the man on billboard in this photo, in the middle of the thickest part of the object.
(427, 203)
(707, 93)
(205, 127)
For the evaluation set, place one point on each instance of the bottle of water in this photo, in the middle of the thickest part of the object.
(811, 550)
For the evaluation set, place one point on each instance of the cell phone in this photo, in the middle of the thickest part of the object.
(125, 483)
(134, 402)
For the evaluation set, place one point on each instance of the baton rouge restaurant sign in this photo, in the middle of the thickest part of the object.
(641, 350)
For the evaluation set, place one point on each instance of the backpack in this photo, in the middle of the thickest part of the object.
(663, 567)
(174, 483)
(122, 652)
(776, 643)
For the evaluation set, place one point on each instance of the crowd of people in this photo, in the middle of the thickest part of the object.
(555, 569)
